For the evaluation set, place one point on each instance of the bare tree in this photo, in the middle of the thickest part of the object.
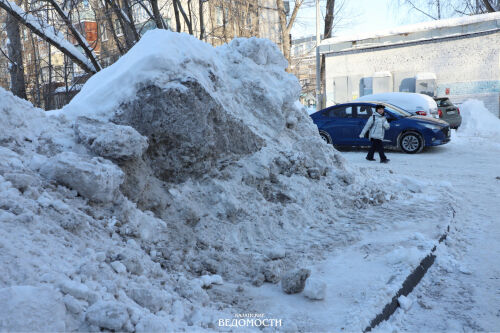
(51, 35)
(438, 9)
(286, 26)
(186, 16)
(202, 23)
(15, 55)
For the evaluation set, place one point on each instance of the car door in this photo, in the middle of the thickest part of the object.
(338, 122)
(363, 112)
(349, 128)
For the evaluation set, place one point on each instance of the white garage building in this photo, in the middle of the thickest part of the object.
(459, 58)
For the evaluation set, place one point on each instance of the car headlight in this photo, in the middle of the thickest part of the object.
(433, 127)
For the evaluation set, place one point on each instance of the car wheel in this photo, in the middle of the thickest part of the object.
(411, 142)
(325, 136)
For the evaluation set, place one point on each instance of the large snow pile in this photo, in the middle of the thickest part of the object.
(178, 165)
(478, 121)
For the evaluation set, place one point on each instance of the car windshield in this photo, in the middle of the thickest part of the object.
(443, 102)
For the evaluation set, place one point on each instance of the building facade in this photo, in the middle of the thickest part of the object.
(458, 58)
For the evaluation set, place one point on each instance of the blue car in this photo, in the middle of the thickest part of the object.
(341, 125)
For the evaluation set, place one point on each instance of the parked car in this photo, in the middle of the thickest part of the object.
(416, 104)
(341, 125)
(448, 112)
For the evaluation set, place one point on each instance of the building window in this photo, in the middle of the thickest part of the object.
(139, 13)
(219, 18)
(104, 32)
(118, 28)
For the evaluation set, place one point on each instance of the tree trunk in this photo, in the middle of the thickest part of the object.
(185, 16)
(157, 15)
(329, 17)
(177, 18)
(287, 27)
(489, 6)
(330, 12)
(202, 24)
(285, 37)
(127, 27)
(14, 50)
(130, 21)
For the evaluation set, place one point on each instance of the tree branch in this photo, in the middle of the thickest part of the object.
(420, 10)
(78, 37)
(488, 6)
(54, 39)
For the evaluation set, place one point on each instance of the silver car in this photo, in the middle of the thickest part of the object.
(448, 112)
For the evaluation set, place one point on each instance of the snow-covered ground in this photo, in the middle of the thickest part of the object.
(460, 292)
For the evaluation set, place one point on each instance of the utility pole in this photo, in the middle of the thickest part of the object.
(318, 59)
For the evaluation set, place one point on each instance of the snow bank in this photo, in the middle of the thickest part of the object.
(477, 121)
(410, 102)
(175, 169)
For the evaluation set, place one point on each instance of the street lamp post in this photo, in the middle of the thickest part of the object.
(318, 59)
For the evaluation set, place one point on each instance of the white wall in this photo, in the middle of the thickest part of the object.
(467, 66)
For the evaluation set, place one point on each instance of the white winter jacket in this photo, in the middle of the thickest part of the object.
(377, 125)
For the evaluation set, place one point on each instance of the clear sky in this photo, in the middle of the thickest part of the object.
(358, 16)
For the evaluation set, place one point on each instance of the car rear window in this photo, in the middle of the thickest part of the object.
(443, 102)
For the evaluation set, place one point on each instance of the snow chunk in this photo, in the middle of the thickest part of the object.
(315, 289)
(119, 267)
(405, 303)
(110, 140)
(73, 305)
(276, 253)
(208, 280)
(77, 290)
(154, 300)
(293, 282)
(94, 178)
(30, 309)
(107, 314)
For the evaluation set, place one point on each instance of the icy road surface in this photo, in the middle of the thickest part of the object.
(461, 291)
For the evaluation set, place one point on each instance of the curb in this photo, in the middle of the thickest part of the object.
(408, 285)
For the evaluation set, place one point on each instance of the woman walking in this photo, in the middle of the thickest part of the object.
(376, 125)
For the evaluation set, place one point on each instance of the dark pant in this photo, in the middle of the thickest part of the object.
(377, 145)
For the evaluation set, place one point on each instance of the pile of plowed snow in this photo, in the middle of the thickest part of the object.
(478, 121)
(178, 165)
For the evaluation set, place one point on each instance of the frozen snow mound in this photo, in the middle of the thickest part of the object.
(478, 121)
(180, 167)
